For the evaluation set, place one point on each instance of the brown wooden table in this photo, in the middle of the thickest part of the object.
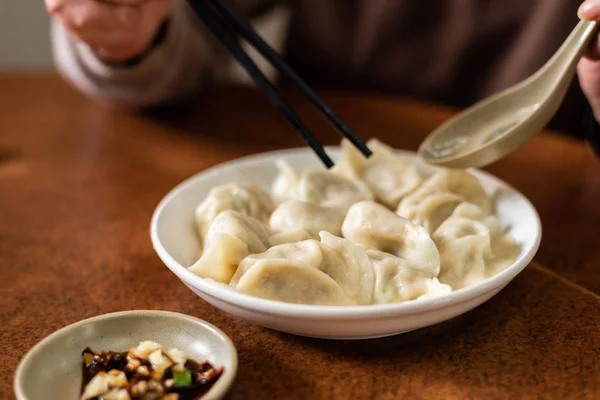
(79, 182)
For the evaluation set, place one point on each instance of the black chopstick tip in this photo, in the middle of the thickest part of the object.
(358, 143)
(245, 30)
(320, 152)
(225, 24)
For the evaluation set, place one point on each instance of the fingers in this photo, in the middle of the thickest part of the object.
(588, 68)
(592, 52)
(130, 2)
(115, 29)
(589, 10)
(589, 79)
(115, 47)
(52, 4)
(83, 17)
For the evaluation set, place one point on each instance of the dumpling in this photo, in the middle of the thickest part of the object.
(396, 280)
(504, 248)
(434, 288)
(471, 211)
(249, 200)
(505, 251)
(230, 238)
(291, 236)
(430, 210)
(307, 252)
(344, 262)
(373, 226)
(354, 273)
(292, 282)
(294, 214)
(250, 230)
(457, 182)
(285, 185)
(472, 246)
(220, 259)
(389, 176)
(327, 189)
(320, 187)
(462, 183)
(465, 248)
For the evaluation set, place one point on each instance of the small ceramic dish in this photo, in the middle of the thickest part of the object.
(51, 370)
(176, 242)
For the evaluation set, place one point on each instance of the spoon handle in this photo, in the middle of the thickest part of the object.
(561, 67)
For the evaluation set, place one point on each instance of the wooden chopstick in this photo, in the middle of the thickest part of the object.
(245, 30)
(213, 20)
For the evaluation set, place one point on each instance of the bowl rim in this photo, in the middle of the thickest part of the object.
(221, 387)
(278, 308)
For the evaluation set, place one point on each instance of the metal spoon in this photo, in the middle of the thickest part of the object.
(496, 126)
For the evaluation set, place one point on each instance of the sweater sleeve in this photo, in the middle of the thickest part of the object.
(173, 71)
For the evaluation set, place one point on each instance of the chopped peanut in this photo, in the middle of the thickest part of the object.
(139, 388)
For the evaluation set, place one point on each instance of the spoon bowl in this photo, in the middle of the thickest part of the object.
(498, 125)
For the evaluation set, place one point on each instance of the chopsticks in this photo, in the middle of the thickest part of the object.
(225, 24)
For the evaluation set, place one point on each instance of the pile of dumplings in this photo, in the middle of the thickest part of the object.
(369, 231)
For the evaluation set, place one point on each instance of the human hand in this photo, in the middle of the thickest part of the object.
(116, 30)
(588, 68)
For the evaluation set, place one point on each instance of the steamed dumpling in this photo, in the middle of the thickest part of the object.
(319, 187)
(307, 252)
(354, 273)
(344, 262)
(230, 238)
(434, 288)
(471, 211)
(291, 236)
(457, 182)
(220, 259)
(472, 246)
(294, 214)
(430, 210)
(250, 230)
(396, 280)
(505, 251)
(285, 185)
(249, 200)
(326, 189)
(293, 282)
(333, 238)
(373, 226)
(504, 248)
(389, 176)
(463, 184)
(465, 248)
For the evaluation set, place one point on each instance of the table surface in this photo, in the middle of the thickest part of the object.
(79, 182)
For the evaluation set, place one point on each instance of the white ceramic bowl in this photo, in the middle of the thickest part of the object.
(175, 240)
(51, 370)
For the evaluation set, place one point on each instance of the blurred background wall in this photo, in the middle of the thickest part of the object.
(24, 37)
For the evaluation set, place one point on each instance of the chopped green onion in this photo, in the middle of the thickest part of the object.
(182, 378)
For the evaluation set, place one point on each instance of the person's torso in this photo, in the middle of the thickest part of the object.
(449, 51)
